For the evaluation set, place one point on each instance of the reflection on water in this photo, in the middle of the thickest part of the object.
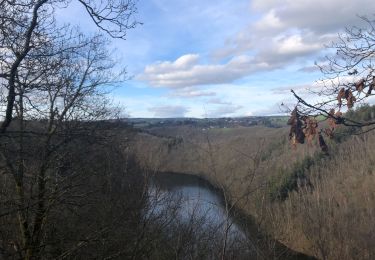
(186, 206)
(189, 199)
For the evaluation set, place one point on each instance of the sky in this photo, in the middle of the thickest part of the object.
(224, 58)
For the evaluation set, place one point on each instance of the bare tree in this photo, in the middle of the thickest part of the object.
(56, 101)
(53, 84)
(348, 80)
(29, 24)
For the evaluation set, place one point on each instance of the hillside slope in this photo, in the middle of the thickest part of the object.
(320, 205)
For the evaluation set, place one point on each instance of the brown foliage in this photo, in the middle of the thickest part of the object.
(348, 95)
(310, 130)
(371, 87)
(296, 133)
(333, 122)
(360, 85)
(350, 98)
(340, 96)
(329, 132)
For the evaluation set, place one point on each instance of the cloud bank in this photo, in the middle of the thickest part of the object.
(253, 67)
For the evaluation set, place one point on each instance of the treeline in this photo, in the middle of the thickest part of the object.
(207, 123)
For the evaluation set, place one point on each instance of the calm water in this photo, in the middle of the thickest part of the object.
(190, 199)
(186, 200)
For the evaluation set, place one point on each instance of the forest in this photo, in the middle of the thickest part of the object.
(79, 181)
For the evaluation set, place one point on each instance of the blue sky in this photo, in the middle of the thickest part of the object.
(217, 58)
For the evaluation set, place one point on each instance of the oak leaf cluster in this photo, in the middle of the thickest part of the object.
(305, 127)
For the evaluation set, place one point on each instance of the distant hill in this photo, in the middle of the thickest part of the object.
(223, 122)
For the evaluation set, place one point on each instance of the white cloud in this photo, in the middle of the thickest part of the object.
(268, 22)
(294, 44)
(283, 36)
(286, 89)
(286, 31)
(187, 72)
(319, 16)
(182, 63)
(191, 92)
